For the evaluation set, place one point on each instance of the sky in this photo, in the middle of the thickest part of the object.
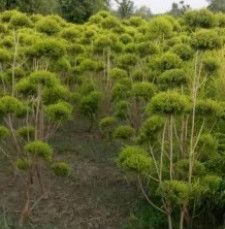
(161, 6)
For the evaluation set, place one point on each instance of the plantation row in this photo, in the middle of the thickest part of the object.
(156, 88)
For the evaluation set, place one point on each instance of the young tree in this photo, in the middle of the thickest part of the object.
(80, 11)
(125, 8)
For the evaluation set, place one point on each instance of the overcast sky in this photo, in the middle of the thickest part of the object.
(161, 6)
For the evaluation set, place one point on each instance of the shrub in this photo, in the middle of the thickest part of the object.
(89, 103)
(107, 125)
(110, 22)
(118, 73)
(210, 64)
(70, 33)
(22, 164)
(59, 112)
(135, 158)
(176, 191)
(55, 94)
(136, 21)
(39, 148)
(200, 18)
(43, 78)
(172, 78)
(127, 60)
(102, 43)
(48, 47)
(61, 169)
(125, 38)
(151, 128)
(206, 39)
(120, 92)
(211, 182)
(143, 90)
(20, 20)
(208, 107)
(169, 103)
(182, 166)
(27, 132)
(5, 55)
(207, 147)
(124, 132)
(48, 26)
(121, 109)
(185, 52)
(160, 27)
(166, 61)
(4, 132)
(10, 105)
(147, 48)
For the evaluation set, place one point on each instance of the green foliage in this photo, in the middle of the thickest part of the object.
(172, 78)
(160, 27)
(150, 128)
(202, 18)
(4, 132)
(207, 147)
(59, 112)
(40, 149)
(10, 105)
(118, 73)
(169, 103)
(43, 79)
(206, 39)
(175, 191)
(143, 90)
(127, 60)
(124, 132)
(22, 164)
(121, 109)
(211, 182)
(4, 55)
(147, 48)
(48, 26)
(107, 125)
(166, 61)
(135, 158)
(61, 169)
(207, 108)
(210, 65)
(89, 104)
(82, 11)
(48, 47)
(20, 20)
(182, 166)
(185, 52)
(27, 132)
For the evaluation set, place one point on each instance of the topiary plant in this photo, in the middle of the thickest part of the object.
(61, 169)
(135, 159)
(124, 132)
(39, 149)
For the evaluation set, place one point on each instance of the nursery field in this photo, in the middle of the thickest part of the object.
(114, 123)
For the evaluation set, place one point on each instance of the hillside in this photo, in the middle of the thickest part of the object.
(115, 124)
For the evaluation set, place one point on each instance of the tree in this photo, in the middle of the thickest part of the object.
(80, 11)
(143, 12)
(179, 8)
(217, 5)
(126, 8)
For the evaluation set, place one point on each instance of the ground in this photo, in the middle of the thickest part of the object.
(95, 196)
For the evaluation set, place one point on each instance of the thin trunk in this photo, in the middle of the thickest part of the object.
(170, 223)
(162, 153)
(181, 225)
(171, 147)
